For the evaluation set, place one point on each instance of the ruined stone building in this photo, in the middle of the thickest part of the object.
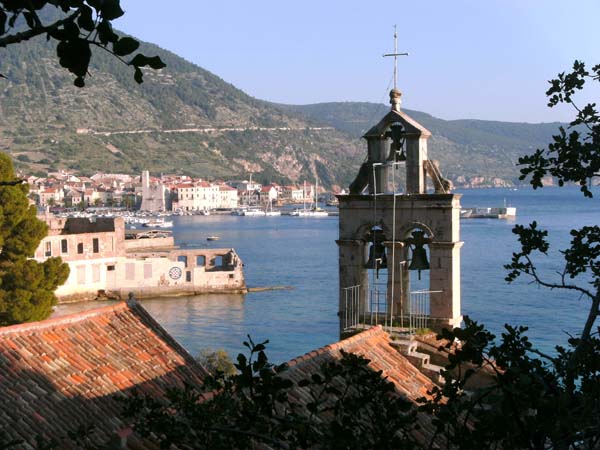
(104, 261)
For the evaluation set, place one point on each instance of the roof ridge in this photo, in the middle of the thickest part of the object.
(377, 329)
(63, 320)
(143, 314)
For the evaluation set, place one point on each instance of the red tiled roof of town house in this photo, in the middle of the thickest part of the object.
(59, 374)
(375, 345)
(182, 186)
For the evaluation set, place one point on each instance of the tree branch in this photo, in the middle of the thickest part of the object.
(32, 32)
(533, 273)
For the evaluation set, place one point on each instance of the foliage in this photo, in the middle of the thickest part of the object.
(347, 405)
(569, 158)
(506, 394)
(216, 362)
(573, 156)
(26, 286)
(81, 25)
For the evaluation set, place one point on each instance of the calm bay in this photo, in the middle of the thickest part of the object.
(302, 253)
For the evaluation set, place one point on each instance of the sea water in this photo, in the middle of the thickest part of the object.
(301, 253)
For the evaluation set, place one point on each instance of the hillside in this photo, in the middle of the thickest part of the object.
(184, 119)
(45, 122)
(467, 149)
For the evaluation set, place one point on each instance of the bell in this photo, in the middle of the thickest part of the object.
(419, 259)
(396, 133)
(400, 156)
(377, 258)
(419, 254)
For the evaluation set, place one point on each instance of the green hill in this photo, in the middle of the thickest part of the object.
(47, 123)
(184, 119)
(468, 148)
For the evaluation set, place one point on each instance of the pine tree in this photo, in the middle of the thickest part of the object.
(26, 286)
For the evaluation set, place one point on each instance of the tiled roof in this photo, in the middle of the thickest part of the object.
(373, 344)
(59, 374)
(182, 186)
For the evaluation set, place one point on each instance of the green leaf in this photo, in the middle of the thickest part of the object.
(85, 19)
(106, 33)
(74, 55)
(111, 9)
(125, 46)
(29, 19)
(138, 76)
(154, 62)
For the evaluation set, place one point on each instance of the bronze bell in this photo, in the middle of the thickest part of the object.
(419, 259)
(396, 133)
(377, 258)
(419, 254)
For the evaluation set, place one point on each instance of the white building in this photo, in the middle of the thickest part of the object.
(229, 197)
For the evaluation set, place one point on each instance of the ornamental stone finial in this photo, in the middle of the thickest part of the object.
(395, 99)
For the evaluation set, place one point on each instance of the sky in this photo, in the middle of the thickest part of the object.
(485, 59)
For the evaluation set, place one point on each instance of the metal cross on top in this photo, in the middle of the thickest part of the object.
(395, 55)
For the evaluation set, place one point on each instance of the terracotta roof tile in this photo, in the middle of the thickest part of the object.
(375, 345)
(59, 374)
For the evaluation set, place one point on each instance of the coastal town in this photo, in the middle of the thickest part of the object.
(176, 193)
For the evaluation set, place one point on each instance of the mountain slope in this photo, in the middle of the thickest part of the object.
(48, 123)
(466, 148)
(184, 119)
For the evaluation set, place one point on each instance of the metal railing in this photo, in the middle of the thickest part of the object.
(351, 315)
(420, 310)
(377, 310)
(378, 305)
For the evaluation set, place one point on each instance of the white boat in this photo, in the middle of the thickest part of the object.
(254, 212)
(159, 223)
(269, 211)
(314, 210)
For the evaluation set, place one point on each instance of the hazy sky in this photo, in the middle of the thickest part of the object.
(484, 59)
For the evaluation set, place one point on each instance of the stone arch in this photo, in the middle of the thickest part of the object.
(363, 230)
(406, 229)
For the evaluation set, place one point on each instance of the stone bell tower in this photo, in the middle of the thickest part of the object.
(392, 229)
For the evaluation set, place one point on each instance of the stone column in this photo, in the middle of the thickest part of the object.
(352, 259)
(397, 269)
(416, 152)
(445, 277)
(378, 176)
